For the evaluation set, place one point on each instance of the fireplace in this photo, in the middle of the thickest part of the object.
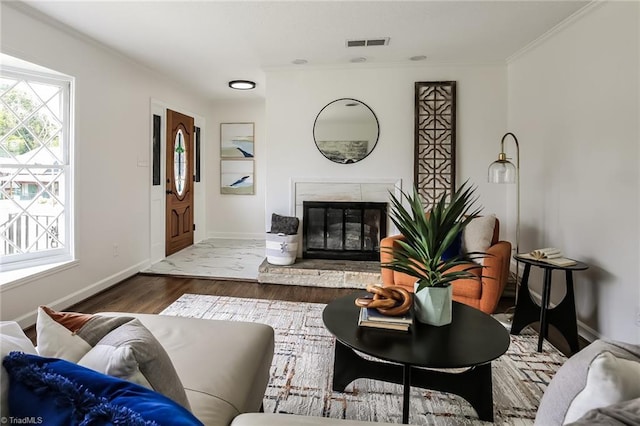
(345, 230)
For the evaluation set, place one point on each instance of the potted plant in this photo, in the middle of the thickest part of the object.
(427, 236)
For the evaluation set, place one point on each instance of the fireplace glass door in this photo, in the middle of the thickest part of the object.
(343, 230)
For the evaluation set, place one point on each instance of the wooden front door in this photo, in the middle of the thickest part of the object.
(179, 218)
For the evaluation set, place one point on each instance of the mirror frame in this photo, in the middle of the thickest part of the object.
(375, 117)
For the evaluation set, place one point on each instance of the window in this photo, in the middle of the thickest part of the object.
(35, 168)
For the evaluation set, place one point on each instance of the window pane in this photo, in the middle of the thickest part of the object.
(31, 211)
(21, 100)
(34, 168)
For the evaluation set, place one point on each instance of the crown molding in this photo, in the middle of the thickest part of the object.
(576, 16)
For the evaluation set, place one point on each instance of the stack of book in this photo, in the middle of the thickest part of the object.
(370, 317)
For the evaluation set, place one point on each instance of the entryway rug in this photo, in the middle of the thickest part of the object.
(302, 370)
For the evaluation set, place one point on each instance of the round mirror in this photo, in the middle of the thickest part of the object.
(346, 131)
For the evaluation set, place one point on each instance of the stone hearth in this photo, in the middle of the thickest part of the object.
(322, 273)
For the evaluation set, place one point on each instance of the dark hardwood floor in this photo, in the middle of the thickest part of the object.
(143, 293)
(151, 294)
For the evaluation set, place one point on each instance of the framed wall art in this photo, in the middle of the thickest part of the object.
(236, 140)
(236, 177)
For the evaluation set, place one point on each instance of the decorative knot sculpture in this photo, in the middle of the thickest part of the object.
(392, 300)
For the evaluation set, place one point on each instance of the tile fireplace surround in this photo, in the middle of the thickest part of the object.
(331, 273)
(303, 189)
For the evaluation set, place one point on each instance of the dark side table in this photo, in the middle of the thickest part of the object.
(562, 316)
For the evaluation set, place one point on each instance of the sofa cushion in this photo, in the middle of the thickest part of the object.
(62, 392)
(130, 352)
(116, 345)
(224, 366)
(571, 379)
(12, 338)
(622, 413)
(610, 380)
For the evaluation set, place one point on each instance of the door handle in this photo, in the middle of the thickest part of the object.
(169, 192)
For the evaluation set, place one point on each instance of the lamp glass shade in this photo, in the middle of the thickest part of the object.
(502, 171)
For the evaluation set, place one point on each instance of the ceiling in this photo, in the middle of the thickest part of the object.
(205, 44)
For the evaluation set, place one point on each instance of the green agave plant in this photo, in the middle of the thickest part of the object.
(428, 236)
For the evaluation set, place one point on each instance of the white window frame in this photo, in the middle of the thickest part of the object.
(20, 261)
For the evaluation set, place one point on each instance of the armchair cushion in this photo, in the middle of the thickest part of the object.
(454, 249)
(478, 234)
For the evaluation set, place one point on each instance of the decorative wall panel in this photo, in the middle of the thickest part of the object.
(435, 139)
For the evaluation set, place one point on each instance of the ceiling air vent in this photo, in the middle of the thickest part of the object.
(368, 42)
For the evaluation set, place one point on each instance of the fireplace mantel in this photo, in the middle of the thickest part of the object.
(341, 189)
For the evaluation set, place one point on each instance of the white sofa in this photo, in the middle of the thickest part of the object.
(598, 385)
(224, 367)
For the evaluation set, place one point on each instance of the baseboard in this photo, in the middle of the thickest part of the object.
(236, 235)
(29, 318)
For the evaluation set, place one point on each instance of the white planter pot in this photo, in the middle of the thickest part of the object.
(281, 249)
(433, 305)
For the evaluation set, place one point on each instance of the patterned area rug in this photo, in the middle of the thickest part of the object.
(302, 370)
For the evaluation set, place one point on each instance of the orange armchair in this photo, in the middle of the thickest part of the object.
(482, 293)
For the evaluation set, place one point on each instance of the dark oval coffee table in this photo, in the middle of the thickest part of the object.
(472, 341)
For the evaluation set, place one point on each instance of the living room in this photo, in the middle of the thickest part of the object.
(571, 97)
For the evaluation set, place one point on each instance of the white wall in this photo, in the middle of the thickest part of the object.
(112, 133)
(236, 216)
(294, 99)
(573, 102)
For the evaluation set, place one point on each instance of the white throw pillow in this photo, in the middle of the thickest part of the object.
(609, 380)
(477, 235)
(12, 338)
(56, 341)
(132, 353)
(119, 346)
(115, 361)
(70, 335)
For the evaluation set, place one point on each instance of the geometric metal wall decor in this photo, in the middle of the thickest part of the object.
(435, 139)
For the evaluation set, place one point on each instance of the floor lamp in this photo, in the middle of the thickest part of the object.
(503, 171)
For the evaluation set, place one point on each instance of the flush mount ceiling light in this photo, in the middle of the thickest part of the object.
(418, 58)
(358, 59)
(299, 61)
(242, 84)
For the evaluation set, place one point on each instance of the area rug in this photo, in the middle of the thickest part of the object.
(302, 369)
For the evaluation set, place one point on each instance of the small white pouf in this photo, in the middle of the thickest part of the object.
(281, 249)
